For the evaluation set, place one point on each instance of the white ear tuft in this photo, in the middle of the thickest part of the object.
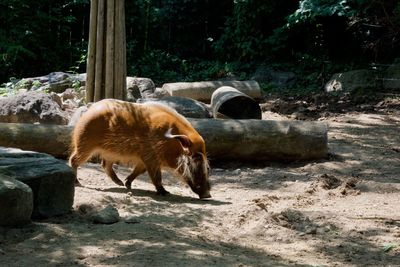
(169, 134)
(183, 139)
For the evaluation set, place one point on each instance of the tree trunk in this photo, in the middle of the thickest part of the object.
(234, 140)
(90, 67)
(98, 81)
(232, 103)
(51, 139)
(202, 91)
(106, 64)
(120, 52)
(260, 140)
(110, 30)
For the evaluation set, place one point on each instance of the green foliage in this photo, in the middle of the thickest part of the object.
(388, 247)
(246, 32)
(309, 10)
(39, 36)
(12, 87)
(174, 40)
(164, 67)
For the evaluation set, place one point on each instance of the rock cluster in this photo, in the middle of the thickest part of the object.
(33, 185)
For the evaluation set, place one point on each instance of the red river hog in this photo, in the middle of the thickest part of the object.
(148, 136)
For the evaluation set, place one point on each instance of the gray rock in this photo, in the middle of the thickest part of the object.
(108, 215)
(31, 107)
(24, 84)
(139, 88)
(77, 114)
(352, 81)
(16, 202)
(51, 180)
(160, 93)
(68, 94)
(58, 87)
(187, 107)
(56, 98)
(70, 104)
(56, 82)
(58, 76)
(131, 219)
(391, 80)
(81, 77)
(280, 79)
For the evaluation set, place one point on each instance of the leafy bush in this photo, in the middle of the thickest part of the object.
(174, 40)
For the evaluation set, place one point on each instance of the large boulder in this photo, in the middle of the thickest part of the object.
(31, 107)
(391, 80)
(56, 82)
(279, 79)
(139, 88)
(51, 180)
(352, 81)
(16, 202)
(78, 114)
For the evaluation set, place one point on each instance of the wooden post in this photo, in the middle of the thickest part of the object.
(109, 82)
(91, 52)
(120, 53)
(106, 64)
(98, 81)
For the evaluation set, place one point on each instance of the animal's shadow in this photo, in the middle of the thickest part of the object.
(171, 198)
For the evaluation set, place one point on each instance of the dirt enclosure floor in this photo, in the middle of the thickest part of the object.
(342, 211)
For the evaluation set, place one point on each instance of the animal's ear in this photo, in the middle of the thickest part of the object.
(183, 139)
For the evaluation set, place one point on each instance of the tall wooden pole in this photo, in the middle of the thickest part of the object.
(91, 52)
(120, 54)
(110, 37)
(106, 63)
(98, 80)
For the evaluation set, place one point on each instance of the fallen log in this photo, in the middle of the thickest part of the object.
(46, 138)
(202, 91)
(226, 100)
(233, 140)
(263, 140)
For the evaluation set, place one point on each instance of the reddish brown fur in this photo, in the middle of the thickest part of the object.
(138, 134)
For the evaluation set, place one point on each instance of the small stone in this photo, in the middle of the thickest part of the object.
(108, 215)
(311, 231)
(237, 172)
(321, 230)
(131, 219)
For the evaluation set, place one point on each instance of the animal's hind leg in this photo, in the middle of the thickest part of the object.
(139, 169)
(107, 166)
(75, 161)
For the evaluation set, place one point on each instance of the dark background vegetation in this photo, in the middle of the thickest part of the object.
(186, 40)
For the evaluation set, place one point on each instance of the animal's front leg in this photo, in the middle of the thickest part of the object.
(155, 175)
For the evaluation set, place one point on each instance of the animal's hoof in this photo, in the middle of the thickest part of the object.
(205, 196)
(128, 185)
(162, 192)
(120, 183)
